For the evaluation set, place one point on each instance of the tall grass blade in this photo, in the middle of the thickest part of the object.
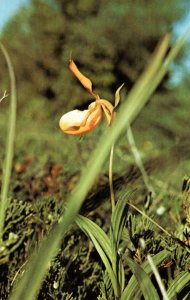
(119, 216)
(107, 266)
(178, 284)
(148, 290)
(131, 292)
(10, 142)
(158, 278)
(28, 289)
(150, 219)
(118, 222)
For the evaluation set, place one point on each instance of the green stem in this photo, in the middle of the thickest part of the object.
(10, 143)
(111, 179)
(138, 160)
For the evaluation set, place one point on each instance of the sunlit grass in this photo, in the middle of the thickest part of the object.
(10, 143)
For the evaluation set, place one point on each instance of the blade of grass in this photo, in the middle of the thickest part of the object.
(102, 245)
(150, 219)
(178, 284)
(146, 286)
(10, 142)
(119, 216)
(118, 222)
(148, 90)
(160, 227)
(30, 283)
(108, 267)
(158, 278)
(131, 291)
(89, 226)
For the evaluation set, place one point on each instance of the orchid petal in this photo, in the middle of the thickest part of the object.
(73, 118)
(117, 95)
(108, 109)
(85, 81)
(79, 122)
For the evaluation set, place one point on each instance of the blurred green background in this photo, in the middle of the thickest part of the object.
(111, 41)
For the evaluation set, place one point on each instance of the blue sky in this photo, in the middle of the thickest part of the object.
(183, 24)
(8, 8)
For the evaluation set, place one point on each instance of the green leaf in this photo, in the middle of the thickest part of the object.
(178, 284)
(146, 286)
(121, 275)
(118, 222)
(102, 245)
(187, 296)
(131, 291)
(106, 263)
(90, 227)
(144, 85)
(119, 217)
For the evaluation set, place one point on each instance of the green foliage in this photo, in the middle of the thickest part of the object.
(132, 289)
(177, 285)
(108, 247)
(101, 243)
(52, 30)
(26, 224)
(144, 282)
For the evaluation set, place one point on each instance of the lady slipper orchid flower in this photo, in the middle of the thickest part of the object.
(77, 122)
